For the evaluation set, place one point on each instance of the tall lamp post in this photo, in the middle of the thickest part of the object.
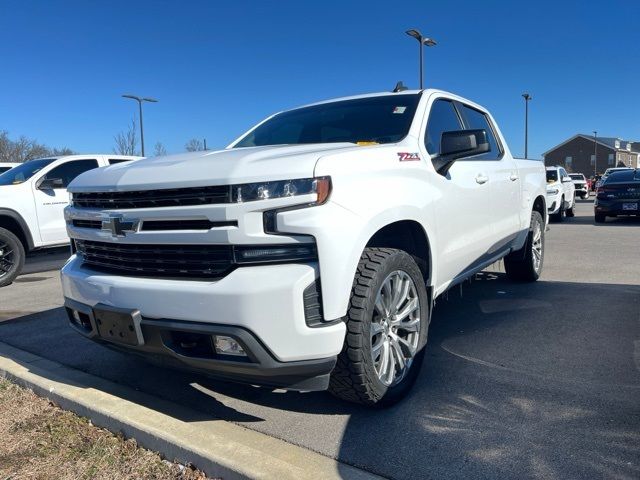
(140, 100)
(429, 42)
(526, 97)
(595, 153)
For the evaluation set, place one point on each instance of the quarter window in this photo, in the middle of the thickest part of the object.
(442, 118)
(70, 170)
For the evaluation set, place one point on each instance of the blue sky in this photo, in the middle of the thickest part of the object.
(219, 67)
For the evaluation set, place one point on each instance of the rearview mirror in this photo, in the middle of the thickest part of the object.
(460, 144)
(50, 183)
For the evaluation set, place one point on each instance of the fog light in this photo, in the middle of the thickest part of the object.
(228, 346)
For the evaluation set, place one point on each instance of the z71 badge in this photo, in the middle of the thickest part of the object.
(408, 157)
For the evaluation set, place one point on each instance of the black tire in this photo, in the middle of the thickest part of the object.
(11, 257)
(559, 217)
(600, 218)
(569, 212)
(521, 265)
(355, 378)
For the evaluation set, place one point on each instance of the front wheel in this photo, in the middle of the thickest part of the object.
(570, 211)
(525, 265)
(11, 257)
(387, 325)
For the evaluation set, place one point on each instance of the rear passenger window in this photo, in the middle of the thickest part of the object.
(113, 161)
(476, 120)
(442, 118)
(70, 170)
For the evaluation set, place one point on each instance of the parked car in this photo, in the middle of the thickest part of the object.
(308, 254)
(581, 185)
(561, 198)
(32, 200)
(619, 195)
(4, 166)
(609, 171)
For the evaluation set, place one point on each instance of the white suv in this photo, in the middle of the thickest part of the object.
(33, 196)
(581, 185)
(561, 193)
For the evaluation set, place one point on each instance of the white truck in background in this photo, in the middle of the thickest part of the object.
(308, 254)
(33, 195)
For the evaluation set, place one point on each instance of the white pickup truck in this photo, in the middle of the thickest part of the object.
(308, 254)
(33, 195)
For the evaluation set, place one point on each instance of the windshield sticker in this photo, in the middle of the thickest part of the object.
(399, 109)
(408, 157)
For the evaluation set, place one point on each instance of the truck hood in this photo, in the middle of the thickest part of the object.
(222, 167)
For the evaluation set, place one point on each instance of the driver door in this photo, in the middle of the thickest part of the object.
(50, 202)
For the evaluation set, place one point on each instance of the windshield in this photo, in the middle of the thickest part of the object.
(24, 171)
(552, 176)
(576, 176)
(384, 119)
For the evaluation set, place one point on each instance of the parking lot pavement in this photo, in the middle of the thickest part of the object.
(520, 380)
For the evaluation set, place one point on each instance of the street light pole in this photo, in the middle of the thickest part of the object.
(140, 100)
(595, 153)
(429, 42)
(526, 97)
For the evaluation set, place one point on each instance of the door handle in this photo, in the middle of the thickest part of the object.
(513, 177)
(482, 179)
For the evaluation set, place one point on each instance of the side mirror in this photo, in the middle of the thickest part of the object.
(50, 183)
(460, 144)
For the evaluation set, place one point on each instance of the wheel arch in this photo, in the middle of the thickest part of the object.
(13, 221)
(540, 206)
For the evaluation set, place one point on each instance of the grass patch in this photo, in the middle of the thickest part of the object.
(38, 440)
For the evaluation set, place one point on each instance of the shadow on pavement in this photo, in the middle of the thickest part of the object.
(519, 381)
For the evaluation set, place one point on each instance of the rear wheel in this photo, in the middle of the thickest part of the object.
(11, 257)
(387, 326)
(600, 218)
(525, 265)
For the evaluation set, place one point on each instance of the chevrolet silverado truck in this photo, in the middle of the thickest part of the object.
(33, 195)
(308, 254)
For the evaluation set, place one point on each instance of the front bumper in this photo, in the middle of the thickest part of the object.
(266, 302)
(189, 346)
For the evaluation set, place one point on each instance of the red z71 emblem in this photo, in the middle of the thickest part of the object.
(408, 157)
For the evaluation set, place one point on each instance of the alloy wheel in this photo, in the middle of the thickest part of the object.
(395, 327)
(7, 259)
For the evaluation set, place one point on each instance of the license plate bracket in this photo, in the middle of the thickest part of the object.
(629, 206)
(119, 325)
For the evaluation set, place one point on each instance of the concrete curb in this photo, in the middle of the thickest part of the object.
(219, 448)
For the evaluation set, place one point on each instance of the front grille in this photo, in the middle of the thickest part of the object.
(174, 197)
(193, 261)
(158, 225)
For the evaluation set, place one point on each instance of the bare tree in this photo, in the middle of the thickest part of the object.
(193, 145)
(24, 149)
(159, 150)
(127, 142)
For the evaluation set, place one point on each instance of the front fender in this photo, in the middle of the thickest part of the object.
(341, 236)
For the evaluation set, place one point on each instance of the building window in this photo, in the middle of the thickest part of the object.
(593, 160)
(611, 159)
(568, 161)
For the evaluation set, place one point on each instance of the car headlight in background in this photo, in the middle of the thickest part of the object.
(552, 191)
(250, 192)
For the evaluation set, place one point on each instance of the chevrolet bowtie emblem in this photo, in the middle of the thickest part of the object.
(117, 225)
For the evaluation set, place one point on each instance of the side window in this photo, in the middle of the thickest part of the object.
(113, 161)
(70, 170)
(476, 120)
(442, 118)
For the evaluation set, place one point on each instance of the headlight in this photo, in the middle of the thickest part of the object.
(552, 191)
(275, 253)
(250, 192)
